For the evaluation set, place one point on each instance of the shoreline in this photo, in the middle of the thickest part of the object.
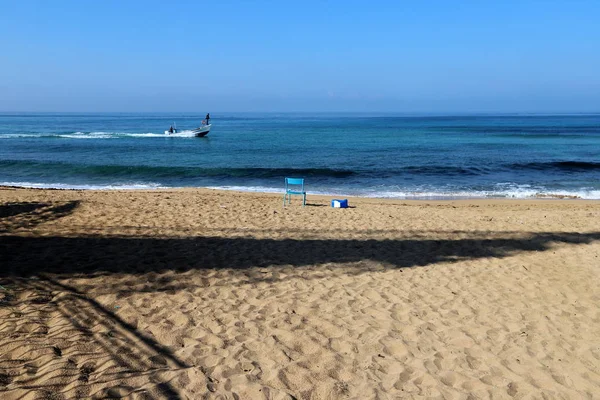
(441, 198)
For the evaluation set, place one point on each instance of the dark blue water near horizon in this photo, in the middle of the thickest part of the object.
(375, 155)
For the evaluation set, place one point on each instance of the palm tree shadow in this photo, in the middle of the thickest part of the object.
(20, 215)
(68, 256)
(61, 311)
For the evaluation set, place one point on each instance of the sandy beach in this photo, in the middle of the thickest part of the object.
(193, 294)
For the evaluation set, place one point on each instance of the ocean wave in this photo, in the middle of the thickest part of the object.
(491, 194)
(200, 171)
(504, 191)
(21, 135)
(443, 170)
(534, 131)
(571, 166)
(514, 192)
(66, 186)
(143, 171)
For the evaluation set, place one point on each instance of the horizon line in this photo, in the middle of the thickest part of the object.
(406, 113)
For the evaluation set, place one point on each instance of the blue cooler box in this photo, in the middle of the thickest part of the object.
(339, 203)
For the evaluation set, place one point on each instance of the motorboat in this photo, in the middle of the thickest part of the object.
(201, 131)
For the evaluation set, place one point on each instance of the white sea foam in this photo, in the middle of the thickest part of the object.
(20, 135)
(590, 195)
(513, 193)
(162, 135)
(118, 186)
(95, 135)
(186, 133)
(260, 189)
(91, 135)
(145, 135)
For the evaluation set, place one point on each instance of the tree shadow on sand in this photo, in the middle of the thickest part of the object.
(42, 320)
(60, 344)
(68, 256)
(19, 215)
(95, 254)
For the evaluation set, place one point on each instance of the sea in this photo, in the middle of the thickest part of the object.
(346, 154)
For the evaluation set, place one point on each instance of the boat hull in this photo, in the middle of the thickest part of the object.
(202, 131)
(197, 132)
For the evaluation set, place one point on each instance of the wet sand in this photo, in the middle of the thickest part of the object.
(210, 294)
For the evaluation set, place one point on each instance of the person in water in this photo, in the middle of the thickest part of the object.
(207, 119)
(171, 129)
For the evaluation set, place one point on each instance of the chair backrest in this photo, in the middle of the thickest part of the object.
(294, 181)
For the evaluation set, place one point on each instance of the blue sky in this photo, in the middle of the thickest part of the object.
(393, 56)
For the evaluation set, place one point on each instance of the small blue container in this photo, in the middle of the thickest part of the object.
(335, 203)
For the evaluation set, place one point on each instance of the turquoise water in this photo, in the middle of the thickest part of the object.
(374, 155)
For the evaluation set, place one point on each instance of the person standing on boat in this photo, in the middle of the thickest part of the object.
(207, 119)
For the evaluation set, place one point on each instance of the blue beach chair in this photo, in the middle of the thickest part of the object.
(294, 186)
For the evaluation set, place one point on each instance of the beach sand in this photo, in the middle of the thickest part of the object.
(210, 294)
